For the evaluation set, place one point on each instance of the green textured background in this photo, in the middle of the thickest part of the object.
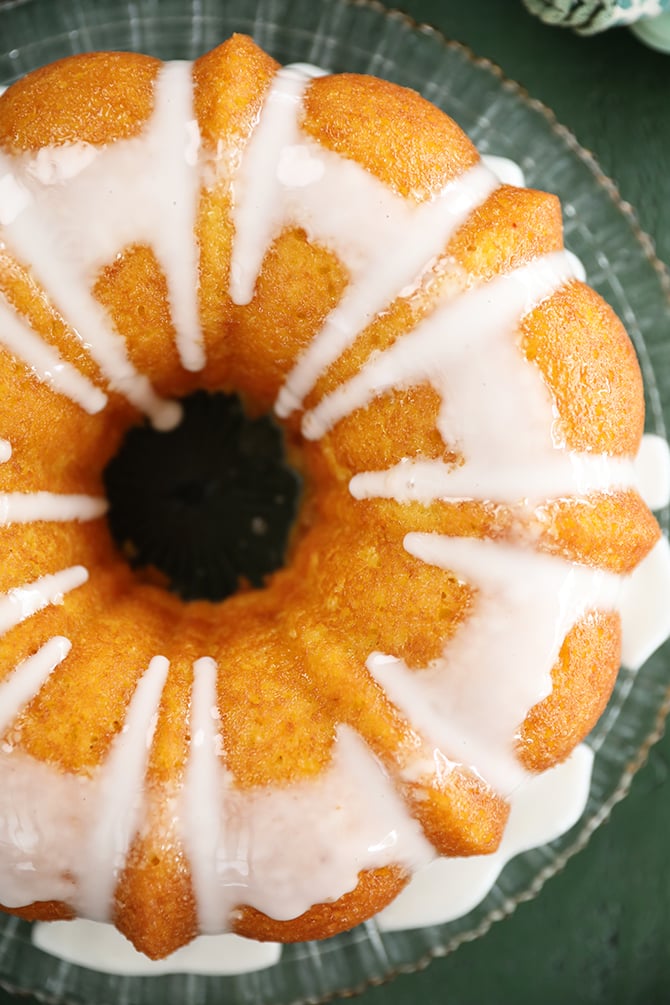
(600, 931)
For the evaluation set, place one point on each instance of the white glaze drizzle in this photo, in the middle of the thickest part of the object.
(287, 179)
(45, 815)
(140, 190)
(645, 612)
(652, 471)
(445, 349)
(49, 251)
(46, 363)
(100, 947)
(23, 683)
(471, 702)
(563, 473)
(29, 507)
(483, 424)
(506, 170)
(257, 190)
(119, 794)
(202, 794)
(174, 138)
(65, 836)
(541, 810)
(5, 451)
(22, 602)
(425, 235)
(351, 818)
(243, 845)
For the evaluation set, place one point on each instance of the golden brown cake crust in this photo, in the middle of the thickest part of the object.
(93, 98)
(292, 657)
(375, 887)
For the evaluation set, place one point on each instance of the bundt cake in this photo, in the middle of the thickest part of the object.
(463, 412)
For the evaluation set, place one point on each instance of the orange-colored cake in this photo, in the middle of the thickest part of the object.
(464, 412)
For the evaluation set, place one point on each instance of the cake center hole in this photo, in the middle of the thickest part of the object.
(210, 504)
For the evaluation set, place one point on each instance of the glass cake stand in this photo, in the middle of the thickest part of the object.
(620, 263)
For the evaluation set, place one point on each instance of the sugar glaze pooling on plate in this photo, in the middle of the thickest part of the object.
(71, 844)
(541, 810)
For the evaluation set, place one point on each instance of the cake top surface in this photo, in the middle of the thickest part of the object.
(468, 414)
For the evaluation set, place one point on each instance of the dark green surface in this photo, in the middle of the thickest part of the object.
(600, 931)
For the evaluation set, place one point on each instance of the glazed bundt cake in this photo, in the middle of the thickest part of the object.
(463, 412)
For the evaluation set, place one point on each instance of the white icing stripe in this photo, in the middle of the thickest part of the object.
(307, 70)
(45, 362)
(446, 889)
(22, 602)
(31, 507)
(257, 188)
(174, 140)
(652, 470)
(480, 324)
(426, 236)
(35, 234)
(24, 682)
(351, 818)
(67, 836)
(287, 179)
(47, 202)
(203, 794)
(645, 611)
(120, 796)
(5, 451)
(71, 209)
(100, 947)
(542, 809)
(566, 473)
(577, 267)
(506, 170)
(471, 701)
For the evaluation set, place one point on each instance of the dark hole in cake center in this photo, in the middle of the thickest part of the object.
(209, 504)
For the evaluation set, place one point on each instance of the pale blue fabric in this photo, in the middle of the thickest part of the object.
(590, 16)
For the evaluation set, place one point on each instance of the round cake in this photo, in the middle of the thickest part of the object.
(463, 411)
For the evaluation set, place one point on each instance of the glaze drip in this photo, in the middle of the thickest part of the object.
(21, 686)
(282, 850)
(203, 791)
(30, 507)
(24, 601)
(38, 229)
(286, 179)
(139, 191)
(470, 702)
(46, 363)
(118, 796)
(481, 323)
(243, 845)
